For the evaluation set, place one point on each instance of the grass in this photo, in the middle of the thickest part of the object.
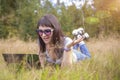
(104, 64)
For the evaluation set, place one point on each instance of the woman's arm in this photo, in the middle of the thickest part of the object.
(67, 59)
(68, 54)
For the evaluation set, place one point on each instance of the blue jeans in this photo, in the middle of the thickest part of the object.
(83, 53)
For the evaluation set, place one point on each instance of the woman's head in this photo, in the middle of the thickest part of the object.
(49, 31)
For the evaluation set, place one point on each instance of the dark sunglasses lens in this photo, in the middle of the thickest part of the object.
(40, 32)
(47, 32)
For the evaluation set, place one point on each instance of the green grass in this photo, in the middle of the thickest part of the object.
(103, 65)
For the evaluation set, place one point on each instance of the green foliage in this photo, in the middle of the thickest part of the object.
(7, 6)
(92, 20)
(3, 32)
(18, 18)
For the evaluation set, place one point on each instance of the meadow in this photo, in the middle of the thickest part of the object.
(103, 65)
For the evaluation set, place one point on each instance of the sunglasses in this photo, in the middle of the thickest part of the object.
(47, 32)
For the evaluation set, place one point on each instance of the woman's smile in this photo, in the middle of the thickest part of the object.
(45, 39)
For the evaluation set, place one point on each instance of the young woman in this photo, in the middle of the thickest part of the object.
(54, 47)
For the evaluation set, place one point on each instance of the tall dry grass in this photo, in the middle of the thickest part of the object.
(15, 45)
(103, 65)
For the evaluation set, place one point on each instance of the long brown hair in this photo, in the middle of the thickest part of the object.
(50, 20)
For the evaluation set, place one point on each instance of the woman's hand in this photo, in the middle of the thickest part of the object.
(76, 41)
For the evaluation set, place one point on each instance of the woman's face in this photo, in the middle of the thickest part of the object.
(46, 34)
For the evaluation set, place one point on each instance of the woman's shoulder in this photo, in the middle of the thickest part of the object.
(67, 38)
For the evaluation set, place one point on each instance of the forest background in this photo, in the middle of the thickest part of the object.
(18, 18)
